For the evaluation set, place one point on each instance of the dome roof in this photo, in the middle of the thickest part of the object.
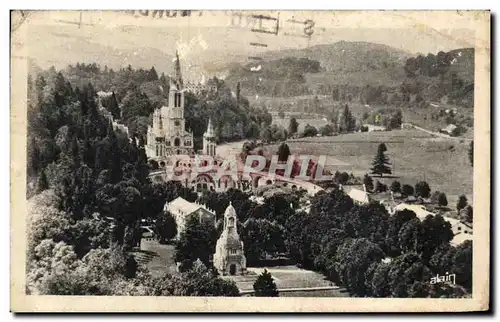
(230, 211)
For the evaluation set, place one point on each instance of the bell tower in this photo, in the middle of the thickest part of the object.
(176, 100)
(209, 142)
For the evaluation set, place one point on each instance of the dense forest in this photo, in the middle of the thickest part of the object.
(137, 92)
(88, 191)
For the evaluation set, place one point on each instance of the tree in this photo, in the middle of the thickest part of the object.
(405, 275)
(293, 127)
(381, 164)
(310, 131)
(435, 231)
(266, 134)
(343, 178)
(264, 286)
(407, 190)
(199, 281)
(379, 282)
(395, 223)
(34, 158)
(197, 241)
(462, 264)
(130, 268)
(238, 92)
(380, 187)
(395, 120)
(409, 236)
(283, 152)
(422, 189)
(326, 130)
(442, 200)
(467, 214)
(471, 153)
(261, 237)
(367, 221)
(396, 186)
(368, 182)
(347, 121)
(353, 259)
(165, 226)
(462, 202)
(42, 183)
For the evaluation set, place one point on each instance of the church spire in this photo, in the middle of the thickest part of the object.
(177, 70)
(210, 133)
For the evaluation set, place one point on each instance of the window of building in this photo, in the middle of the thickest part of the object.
(177, 99)
(233, 251)
(177, 142)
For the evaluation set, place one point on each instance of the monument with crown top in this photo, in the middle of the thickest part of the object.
(229, 257)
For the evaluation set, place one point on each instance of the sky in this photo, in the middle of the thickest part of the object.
(208, 39)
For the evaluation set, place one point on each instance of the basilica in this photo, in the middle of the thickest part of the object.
(168, 135)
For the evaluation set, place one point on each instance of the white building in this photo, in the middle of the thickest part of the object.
(181, 210)
(360, 197)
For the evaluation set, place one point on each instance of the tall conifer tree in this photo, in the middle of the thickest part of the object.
(381, 164)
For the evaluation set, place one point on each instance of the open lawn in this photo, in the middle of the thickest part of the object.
(316, 122)
(323, 105)
(414, 155)
(158, 258)
(288, 277)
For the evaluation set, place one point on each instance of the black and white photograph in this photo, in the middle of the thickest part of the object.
(242, 154)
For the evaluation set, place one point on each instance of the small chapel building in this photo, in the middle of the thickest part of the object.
(229, 257)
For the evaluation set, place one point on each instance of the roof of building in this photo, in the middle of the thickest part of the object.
(359, 195)
(230, 211)
(419, 210)
(460, 238)
(450, 128)
(181, 205)
(210, 133)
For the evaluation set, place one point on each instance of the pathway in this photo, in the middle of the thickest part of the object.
(445, 136)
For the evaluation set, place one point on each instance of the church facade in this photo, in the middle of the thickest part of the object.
(229, 257)
(168, 135)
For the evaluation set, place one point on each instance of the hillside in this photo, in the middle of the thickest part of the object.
(354, 63)
(446, 76)
(347, 56)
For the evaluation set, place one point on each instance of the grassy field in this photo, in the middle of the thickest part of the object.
(158, 258)
(324, 104)
(287, 277)
(317, 123)
(415, 156)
